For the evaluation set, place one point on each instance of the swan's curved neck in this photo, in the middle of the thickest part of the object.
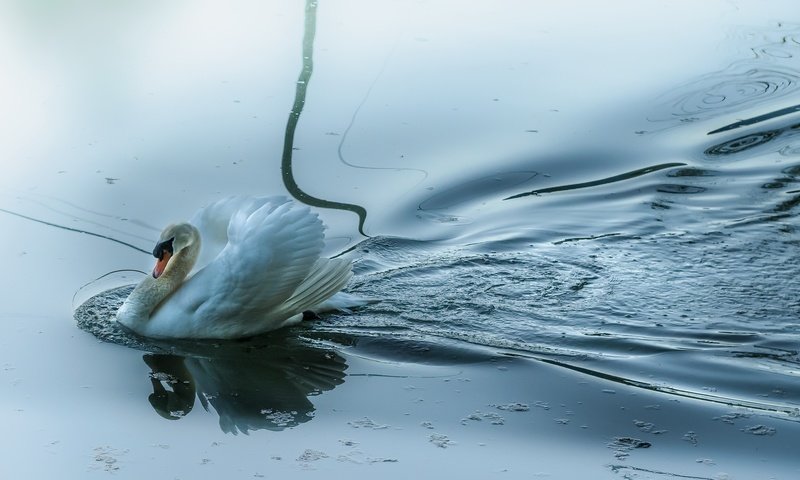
(150, 292)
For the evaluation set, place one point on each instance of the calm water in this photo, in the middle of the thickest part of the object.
(580, 221)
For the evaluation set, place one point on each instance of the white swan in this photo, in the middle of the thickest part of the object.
(257, 268)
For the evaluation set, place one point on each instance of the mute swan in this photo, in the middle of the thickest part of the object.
(257, 268)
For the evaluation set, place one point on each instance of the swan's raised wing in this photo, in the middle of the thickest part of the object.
(213, 222)
(269, 252)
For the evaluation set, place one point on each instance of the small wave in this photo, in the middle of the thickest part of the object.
(790, 150)
(691, 172)
(793, 170)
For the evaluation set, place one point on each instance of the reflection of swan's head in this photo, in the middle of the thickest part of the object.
(180, 240)
(173, 387)
(176, 253)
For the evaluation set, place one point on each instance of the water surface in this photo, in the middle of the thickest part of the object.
(580, 221)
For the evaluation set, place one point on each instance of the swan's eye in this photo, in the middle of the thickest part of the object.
(162, 248)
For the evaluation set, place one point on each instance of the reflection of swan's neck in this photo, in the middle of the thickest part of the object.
(150, 292)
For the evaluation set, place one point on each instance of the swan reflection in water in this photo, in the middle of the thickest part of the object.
(264, 382)
(251, 387)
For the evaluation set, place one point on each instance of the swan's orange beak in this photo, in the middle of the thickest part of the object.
(161, 264)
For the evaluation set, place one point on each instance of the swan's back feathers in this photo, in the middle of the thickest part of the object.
(269, 269)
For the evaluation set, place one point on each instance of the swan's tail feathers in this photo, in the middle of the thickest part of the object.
(343, 302)
(326, 278)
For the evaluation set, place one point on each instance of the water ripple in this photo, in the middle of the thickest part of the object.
(765, 75)
(739, 87)
(741, 144)
(647, 310)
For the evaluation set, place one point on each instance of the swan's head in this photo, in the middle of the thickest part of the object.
(176, 253)
(174, 239)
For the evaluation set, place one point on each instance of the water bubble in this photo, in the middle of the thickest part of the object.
(311, 456)
(514, 407)
(441, 441)
(367, 423)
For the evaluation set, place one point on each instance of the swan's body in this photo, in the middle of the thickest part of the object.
(241, 267)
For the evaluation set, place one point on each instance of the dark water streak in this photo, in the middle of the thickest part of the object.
(603, 181)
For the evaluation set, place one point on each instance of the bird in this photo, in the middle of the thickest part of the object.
(242, 266)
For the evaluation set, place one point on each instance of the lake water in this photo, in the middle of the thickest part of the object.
(580, 221)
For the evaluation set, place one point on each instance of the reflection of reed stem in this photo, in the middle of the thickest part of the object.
(294, 117)
(353, 121)
(70, 229)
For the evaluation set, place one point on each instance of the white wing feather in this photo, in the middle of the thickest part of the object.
(213, 221)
